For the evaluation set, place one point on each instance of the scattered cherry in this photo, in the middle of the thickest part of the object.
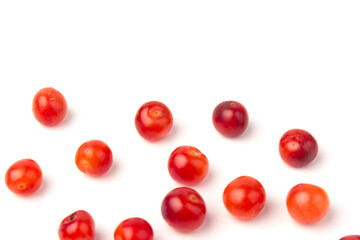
(187, 165)
(351, 237)
(307, 203)
(298, 148)
(183, 209)
(94, 157)
(230, 118)
(77, 226)
(24, 177)
(153, 120)
(134, 229)
(244, 197)
(49, 106)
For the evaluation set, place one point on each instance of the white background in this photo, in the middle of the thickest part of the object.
(293, 64)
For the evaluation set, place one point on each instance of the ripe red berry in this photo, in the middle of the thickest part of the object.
(307, 203)
(298, 148)
(24, 177)
(94, 158)
(187, 165)
(230, 118)
(134, 229)
(77, 226)
(244, 197)
(351, 237)
(183, 209)
(153, 120)
(49, 106)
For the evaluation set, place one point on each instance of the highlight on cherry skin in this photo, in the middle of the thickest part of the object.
(134, 228)
(187, 165)
(307, 203)
(49, 106)
(244, 197)
(153, 120)
(230, 118)
(183, 209)
(298, 148)
(94, 158)
(77, 226)
(351, 237)
(24, 177)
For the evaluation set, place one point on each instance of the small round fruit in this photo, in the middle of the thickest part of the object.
(49, 106)
(351, 237)
(307, 203)
(230, 118)
(298, 148)
(94, 158)
(77, 226)
(187, 165)
(244, 197)
(183, 209)
(153, 120)
(134, 229)
(24, 177)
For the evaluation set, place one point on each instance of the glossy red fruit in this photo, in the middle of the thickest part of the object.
(134, 229)
(187, 165)
(307, 203)
(24, 177)
(230, 118)
(77, 226)
(183, 209)
(298, 148)
(153, 120)
(244, 197)
(49, 106)
(351, 237)
(94, 158)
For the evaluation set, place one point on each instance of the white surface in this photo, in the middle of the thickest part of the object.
(293, 64)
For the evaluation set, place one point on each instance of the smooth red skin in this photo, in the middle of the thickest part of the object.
(134, 229)
(351, 237)
(230, 118)
(94, 158)
(153, 120)
(24, 177)
(244, 197)
(187, 165)
(307, 203)
(298, 148)
(77, 226)
(49, 106)
(183, 209)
